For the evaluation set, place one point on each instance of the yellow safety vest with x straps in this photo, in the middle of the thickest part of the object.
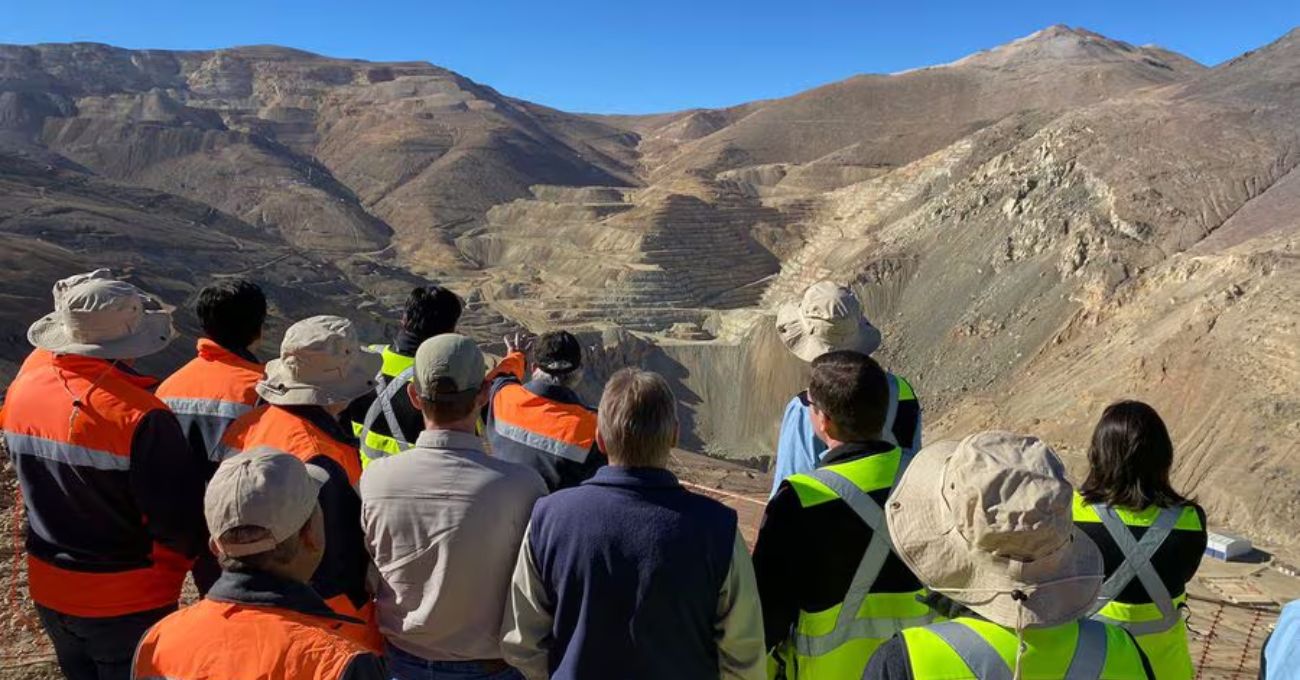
(838, 642)
(1159, 625)
(974, 649)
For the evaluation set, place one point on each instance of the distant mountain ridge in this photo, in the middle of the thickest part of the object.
(1038, 228)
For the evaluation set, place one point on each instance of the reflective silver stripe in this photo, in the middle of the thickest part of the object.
(207, 407)
(385, 390)
(62, 452)
(848, 626)
(985, 663)
(1137, 564)
(1089, 652)
(887, 432)
(979, 656)
(541, 442)
(224, 451)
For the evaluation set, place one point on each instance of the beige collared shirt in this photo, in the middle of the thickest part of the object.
(443, 523)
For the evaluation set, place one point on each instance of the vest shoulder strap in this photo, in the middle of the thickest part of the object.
(1137, 564)
(848, 626)
(978, 654)
(385, 390)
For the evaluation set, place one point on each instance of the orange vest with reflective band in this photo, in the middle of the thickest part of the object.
(226, 641)
(82, 413)
(560, 429)
(547, 432)
(280, 429)
(210, 392)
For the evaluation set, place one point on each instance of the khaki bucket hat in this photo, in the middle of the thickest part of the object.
(828, 318)
(321, 363)
(987, 522)
(96, 315)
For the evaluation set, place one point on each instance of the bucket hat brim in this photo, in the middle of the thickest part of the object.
(281, 388)
(794, 334)
(1061, 587)
(153, 335)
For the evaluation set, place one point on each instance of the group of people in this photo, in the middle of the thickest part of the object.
(417, 510)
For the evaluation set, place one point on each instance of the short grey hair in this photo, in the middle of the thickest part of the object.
(638, 419)
(569, 380)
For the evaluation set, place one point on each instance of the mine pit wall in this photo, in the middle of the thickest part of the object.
(730, 396)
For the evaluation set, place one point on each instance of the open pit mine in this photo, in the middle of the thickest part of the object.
(1038, 230)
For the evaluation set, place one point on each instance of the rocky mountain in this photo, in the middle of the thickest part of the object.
(1039, 228)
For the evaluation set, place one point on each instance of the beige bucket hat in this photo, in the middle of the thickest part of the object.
(321, 363)
(96, 315)
(828, 318)
(987, 522)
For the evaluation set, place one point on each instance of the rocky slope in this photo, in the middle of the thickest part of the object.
(1039, 228)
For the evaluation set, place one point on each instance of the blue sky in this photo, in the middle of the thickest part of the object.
(631, 57)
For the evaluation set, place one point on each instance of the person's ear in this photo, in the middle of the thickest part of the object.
(600, 444)
(414, 394)
(312, 534)
(821, 422)
(481, 399)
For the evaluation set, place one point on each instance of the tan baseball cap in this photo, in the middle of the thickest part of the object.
(829, 317)
(453, 357)
(263, 488)
(987, 522)
(321, 363)
(96, 315)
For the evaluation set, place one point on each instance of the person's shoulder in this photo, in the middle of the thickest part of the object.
(786, 501)
(380, 472)
(515, 476)
(796, 403)
(890, 662)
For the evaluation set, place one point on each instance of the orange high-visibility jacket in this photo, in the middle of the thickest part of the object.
(544, 427)
(214, 640)
(114, 497)
(310, 434)
(209, 393)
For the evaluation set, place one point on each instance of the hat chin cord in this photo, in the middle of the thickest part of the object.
(1021, 596)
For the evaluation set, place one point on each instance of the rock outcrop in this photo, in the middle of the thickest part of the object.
(1038, 229)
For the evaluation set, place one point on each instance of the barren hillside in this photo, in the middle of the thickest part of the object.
(1039, 228)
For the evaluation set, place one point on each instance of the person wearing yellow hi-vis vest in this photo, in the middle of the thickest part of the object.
(985, 524)
(1151, 537)
(831, 588)
(384, 420)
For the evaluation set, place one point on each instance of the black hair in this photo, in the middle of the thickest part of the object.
(232, 312)
(1130, 458)
(430, 311)
(853, 391)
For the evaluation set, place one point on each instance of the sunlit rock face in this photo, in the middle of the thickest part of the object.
(1038, 229)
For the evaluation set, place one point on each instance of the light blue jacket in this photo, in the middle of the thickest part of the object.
(1282, 651)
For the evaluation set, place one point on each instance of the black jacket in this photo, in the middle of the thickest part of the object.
(805, 558)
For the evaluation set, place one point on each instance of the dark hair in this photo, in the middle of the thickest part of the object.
(430, 311)
(853, 391)
(1129, 460)
(232, 312)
